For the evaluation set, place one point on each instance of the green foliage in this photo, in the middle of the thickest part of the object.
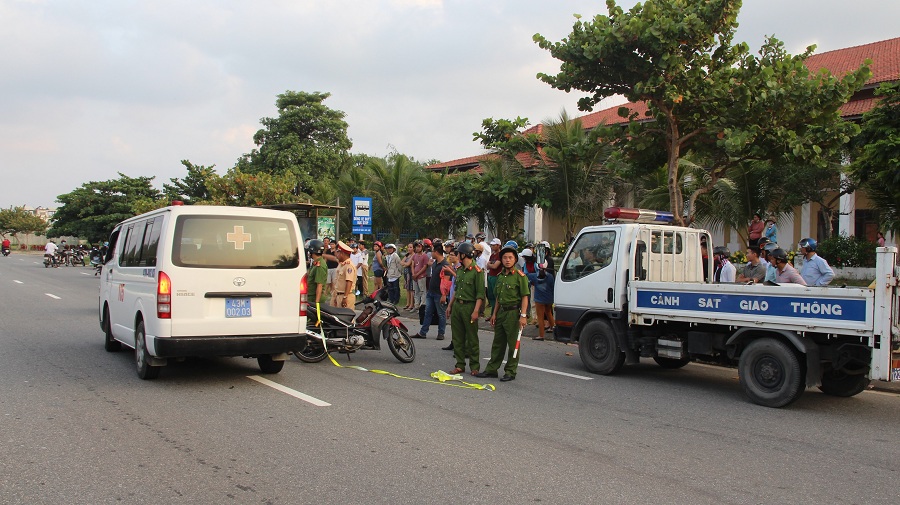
(704, 94)
(844, 251)
(307, 141)
(248, 190)
(192, 188)
(877, 167)
(577, 176)
(18, 220)
(396, 185)
(91, 211)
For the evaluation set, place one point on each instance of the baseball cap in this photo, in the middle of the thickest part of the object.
(496, 241)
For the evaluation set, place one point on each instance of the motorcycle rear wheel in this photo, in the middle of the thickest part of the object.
(313, 353)
(401, 345)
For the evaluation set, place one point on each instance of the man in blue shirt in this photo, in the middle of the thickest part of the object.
(815, 270)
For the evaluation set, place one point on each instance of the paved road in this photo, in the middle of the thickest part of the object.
(78, 426)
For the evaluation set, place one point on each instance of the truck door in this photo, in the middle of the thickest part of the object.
(589, 271)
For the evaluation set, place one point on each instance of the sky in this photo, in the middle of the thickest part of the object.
(92, 88)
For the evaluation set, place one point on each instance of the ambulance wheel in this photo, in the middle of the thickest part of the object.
(671, 363)
(837, 383)
(145, 370)
(111, 344)
(269, 365)
(770, 373)
(599, 349)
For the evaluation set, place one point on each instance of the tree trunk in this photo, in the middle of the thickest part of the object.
(673, 148)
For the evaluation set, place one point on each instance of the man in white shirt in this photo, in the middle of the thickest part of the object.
(725, 271)
(362, 268)
(482, 261)
(50, 250)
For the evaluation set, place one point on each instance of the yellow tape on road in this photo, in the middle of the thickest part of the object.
(461, 383)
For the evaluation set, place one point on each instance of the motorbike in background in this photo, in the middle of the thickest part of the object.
(96, 260)
(378, 320)
(6, 251)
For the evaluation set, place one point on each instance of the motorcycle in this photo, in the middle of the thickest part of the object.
(50, 261)
(379, 319)
(6, 251)
(96, 260)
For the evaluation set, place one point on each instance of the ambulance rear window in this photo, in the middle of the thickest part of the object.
(234, 242)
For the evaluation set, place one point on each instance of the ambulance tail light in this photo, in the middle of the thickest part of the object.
(623, 214)
(163, 296)
(304, 287)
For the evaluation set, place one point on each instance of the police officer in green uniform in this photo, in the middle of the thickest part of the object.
(509, 315)
(316, 277)
(464, 310)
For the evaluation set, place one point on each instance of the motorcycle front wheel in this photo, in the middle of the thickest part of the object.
(313, 353)
(401, 345)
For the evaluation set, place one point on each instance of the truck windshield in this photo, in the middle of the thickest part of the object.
(592, 252)
(234, 242)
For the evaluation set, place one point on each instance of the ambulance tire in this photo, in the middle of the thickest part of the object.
(599, 348)
(771, 373)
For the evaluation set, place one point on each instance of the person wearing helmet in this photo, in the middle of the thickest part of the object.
(508, 317)
(771, 269)
(465, 306)
(316, 278)
(378, 264)
(724, 270)
(481, 238)
(815, 270)
(786, 274)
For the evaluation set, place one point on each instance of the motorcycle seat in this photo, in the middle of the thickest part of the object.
(341, 313)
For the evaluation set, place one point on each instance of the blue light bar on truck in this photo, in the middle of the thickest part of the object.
(623, 214)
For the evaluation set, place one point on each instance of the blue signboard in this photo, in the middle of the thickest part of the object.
(809, 307)
(362, 215)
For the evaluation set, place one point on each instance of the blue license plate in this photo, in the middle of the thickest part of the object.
(237, 307)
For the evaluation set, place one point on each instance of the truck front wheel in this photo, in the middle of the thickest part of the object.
(599, 349)
(770, 373)
(836, 383)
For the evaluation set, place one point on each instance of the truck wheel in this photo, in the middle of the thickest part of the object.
(145, 370)
(836, 383)
(770, 373)
(671, 363)
(599, 349)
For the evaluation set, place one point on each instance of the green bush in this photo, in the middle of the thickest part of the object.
(844, 251)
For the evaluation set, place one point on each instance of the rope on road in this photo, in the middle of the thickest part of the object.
(454, 383)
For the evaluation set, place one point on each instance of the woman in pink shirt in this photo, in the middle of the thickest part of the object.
(755, 230)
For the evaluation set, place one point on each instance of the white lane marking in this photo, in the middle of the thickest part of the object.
(85, 273)
(18, 282)
(539, 369)
(53, 296)
(284, 389)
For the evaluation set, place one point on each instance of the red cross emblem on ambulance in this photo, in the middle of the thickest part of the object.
(238, 238)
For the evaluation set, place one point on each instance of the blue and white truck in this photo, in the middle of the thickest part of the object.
(639, 287)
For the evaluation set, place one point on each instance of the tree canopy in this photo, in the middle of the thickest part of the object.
(877, 167)
(93, 209)
(308, 141)
(18, 220)
(703, 93)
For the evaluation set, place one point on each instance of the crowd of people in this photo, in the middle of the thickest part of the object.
(446, 283)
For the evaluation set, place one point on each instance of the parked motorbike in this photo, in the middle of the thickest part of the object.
(379, 319)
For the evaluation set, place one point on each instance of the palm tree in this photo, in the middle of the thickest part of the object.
(577, 174)
(396, 185)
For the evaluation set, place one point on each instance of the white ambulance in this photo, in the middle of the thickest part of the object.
(205, 281)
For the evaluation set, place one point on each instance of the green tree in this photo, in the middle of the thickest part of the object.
(447, 202)
(308, 141)
(17, 220)
(577, 171)
(877, 166)
(703, 93)
(396, 185)
(248, 190)
(505, 185)
(192, 188)
(93, 209)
